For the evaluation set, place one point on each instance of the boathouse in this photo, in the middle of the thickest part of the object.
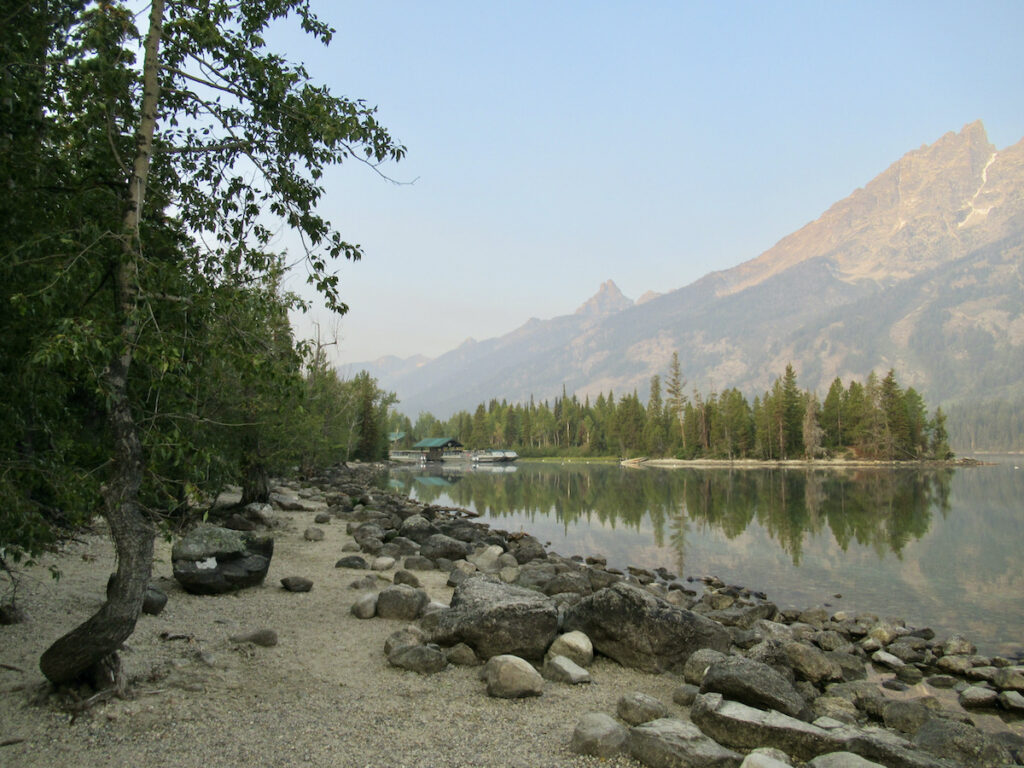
(434, 448)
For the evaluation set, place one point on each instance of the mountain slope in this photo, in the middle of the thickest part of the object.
(922, 270)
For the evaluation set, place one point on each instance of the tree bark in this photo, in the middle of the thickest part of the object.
(90, 650)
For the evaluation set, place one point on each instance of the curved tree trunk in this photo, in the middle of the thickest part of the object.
(90, 650)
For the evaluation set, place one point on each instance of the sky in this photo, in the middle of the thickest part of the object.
(555, 145)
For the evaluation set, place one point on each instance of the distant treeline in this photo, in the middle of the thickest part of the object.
(876, 419)
(990, 425)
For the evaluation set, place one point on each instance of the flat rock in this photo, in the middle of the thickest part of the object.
(598, 734)
(297, 583)
(559, 669)
(424, 659)
(742, 727)
(842, 760)
(672, 743)
(264, 637)
(642, 631)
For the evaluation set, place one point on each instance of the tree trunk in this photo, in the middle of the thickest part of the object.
(90, 650)
(255, 485)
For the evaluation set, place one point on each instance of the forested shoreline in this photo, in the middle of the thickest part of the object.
(874, 420)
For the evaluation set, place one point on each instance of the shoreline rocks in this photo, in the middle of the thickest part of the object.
(810, 684)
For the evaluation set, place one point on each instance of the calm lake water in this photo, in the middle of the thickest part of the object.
(939, 548)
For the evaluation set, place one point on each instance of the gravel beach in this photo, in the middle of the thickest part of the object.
(324, 696)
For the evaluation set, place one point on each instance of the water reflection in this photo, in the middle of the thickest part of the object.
(880, 508)
(935, 546)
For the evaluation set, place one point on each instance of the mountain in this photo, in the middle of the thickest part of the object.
(921, 270)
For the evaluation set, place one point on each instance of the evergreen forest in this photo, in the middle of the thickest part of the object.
(875, 419)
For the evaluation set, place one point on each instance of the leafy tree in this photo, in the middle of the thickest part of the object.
(163, 188)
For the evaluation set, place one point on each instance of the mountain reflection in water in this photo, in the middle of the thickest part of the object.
(939, 547)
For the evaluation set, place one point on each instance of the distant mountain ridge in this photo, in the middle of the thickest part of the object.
(921, 270)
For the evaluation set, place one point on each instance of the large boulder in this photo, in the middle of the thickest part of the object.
(496, 618)
(751, 682)
(668, 742)
(210, 560)
(642, 631)
(741, 727)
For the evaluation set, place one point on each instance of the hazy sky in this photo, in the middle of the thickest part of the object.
(554, 145)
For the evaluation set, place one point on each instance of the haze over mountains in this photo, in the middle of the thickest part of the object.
(922, 270)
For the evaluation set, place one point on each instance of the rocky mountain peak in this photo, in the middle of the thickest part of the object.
(607, 301)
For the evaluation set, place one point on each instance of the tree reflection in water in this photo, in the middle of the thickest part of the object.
(882, 508)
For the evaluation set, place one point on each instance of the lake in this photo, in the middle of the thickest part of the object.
(938, 547)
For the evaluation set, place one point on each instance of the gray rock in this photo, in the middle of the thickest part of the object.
(265, 637)
(153, 602)
(575, 582)
(438, 545)
(685, 694)
(410, 635)
(744, 615)
(401, 601)
(886, 660)
(766, 757)
(297, 583)
(636, 708)
(737, 725)
(210, 560)
(352, 561)
(1009, 679)
(976, 697)
(955, 665)
(751, 682)
(834, 707)
(575, 646)
(486, 559)
(417, 528)
(560, 669)
(1012, 701)
(811, 664)
(671, 743)
(524, 548)
(907, 716)
(424, 659)
(407, 578)
(462, 655)
(641, 631)
(313, 534)
(322, 518)
(842, 760)
(365, 606)
(382, 563)
(510, 677)
(958, 645)
(698, 663)
(495, 618)
(599, 735)
(962, 743)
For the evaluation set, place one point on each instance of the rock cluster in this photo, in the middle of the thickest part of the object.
(758, 686)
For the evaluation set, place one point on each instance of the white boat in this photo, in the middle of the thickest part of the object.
(493, 457)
